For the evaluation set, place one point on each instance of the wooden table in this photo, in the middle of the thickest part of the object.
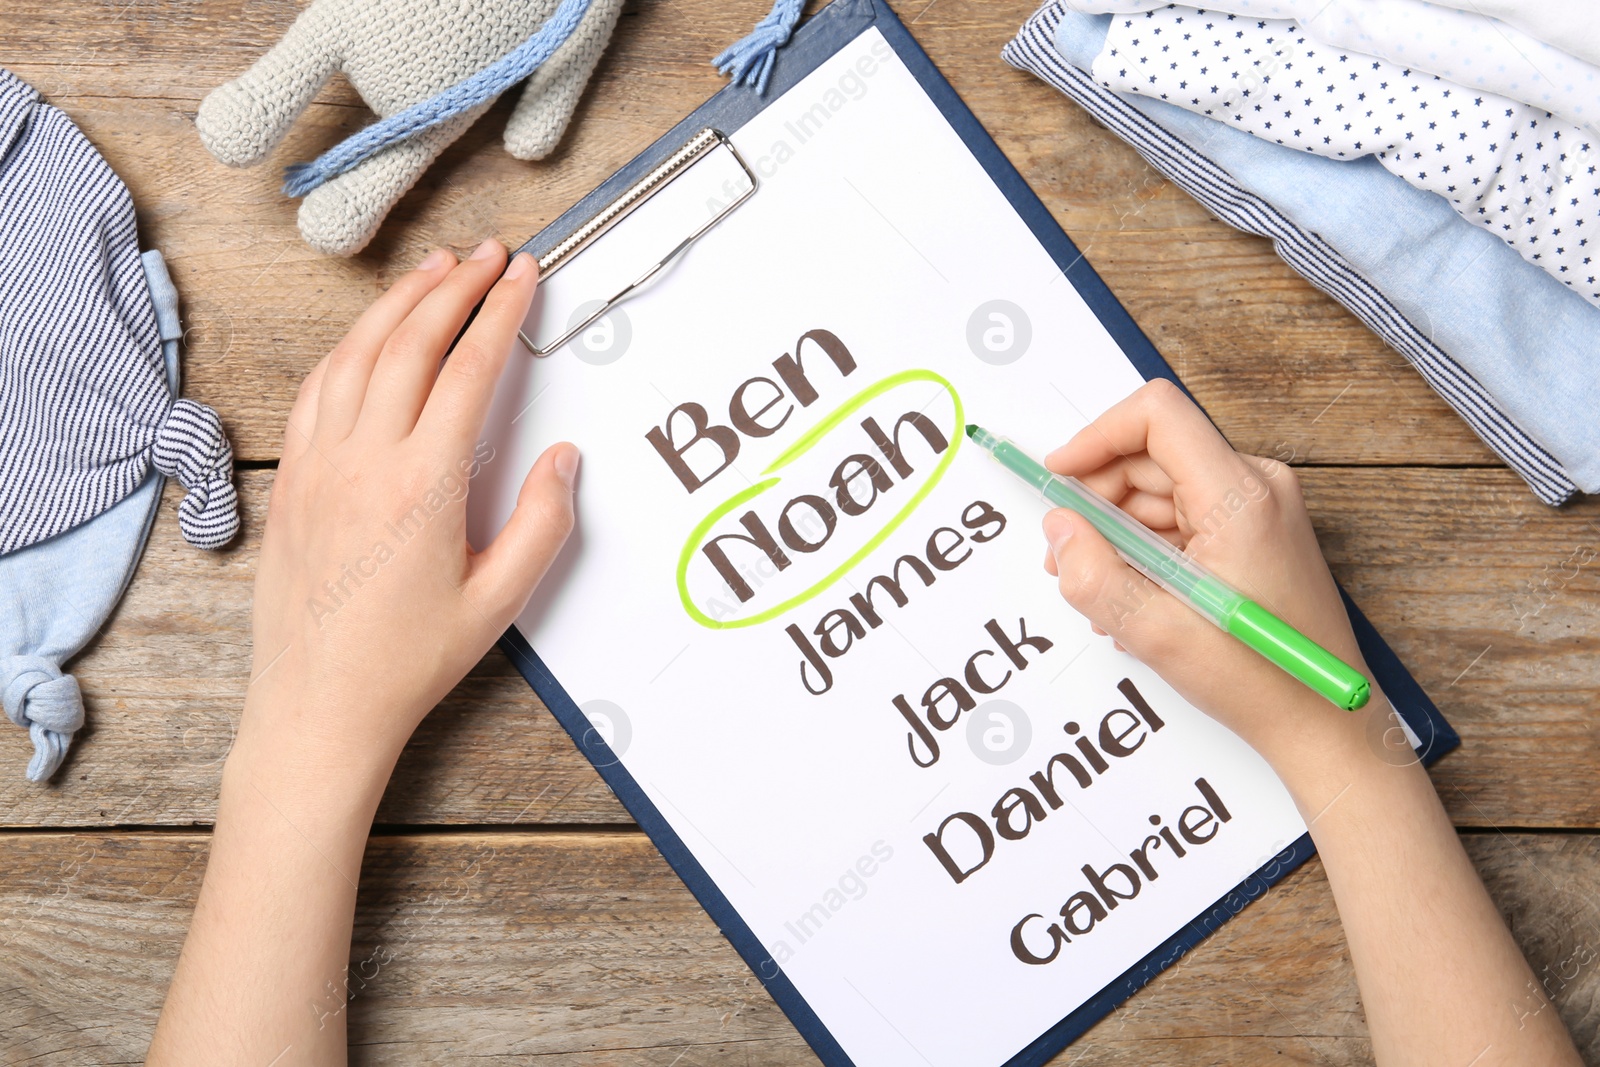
(510, 911)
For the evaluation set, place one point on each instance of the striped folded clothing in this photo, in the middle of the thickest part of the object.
(1510, 349)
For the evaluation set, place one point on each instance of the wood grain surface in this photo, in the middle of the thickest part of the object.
(510, 911)
(1281, 367)
(1491, 614)
(580, 949)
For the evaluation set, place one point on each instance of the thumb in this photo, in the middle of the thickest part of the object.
(1137, 613)
(509, 569)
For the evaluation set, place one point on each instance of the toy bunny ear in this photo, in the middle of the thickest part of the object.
(553, 91)
(242, 121)
(341, 215)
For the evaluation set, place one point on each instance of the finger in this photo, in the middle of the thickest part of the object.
(460, 399)
(1159, 420)
(1126, 473)
(1116, 599)
(302, 421)
(409, 363)
(1268, 468)
(1156, 512)
(344, 384)
(505, 573)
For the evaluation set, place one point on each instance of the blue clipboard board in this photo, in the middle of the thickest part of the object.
(813, 43)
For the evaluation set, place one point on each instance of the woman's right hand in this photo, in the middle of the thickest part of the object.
(1158, 457)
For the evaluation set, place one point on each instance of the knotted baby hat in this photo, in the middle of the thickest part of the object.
(85, 408)
(89, 415)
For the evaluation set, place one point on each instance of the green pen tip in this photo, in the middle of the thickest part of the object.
(972, 430)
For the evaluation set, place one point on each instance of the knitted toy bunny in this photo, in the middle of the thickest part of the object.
(429, 68)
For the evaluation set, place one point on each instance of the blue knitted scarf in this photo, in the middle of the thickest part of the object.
(749, 62)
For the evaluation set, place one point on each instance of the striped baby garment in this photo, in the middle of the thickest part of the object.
(89, 425)
(85, 405)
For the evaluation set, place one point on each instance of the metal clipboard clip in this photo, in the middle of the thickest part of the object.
(702, 145)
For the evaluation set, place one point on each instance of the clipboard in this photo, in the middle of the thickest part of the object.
(641, 194)
(697, 158)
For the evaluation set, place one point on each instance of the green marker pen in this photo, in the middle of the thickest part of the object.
(1167, 566)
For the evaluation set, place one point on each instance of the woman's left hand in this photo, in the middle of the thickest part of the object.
(370, 604)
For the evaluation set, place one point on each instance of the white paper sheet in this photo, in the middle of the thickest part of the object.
(874, 223)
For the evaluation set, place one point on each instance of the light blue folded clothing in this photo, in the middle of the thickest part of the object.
(55, 594)
(1514, 353)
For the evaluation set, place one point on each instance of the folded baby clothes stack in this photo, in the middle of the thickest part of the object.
(1509, 347)
(1465, 47)
(1514, 169)
(1571, 25)
(90, 421)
